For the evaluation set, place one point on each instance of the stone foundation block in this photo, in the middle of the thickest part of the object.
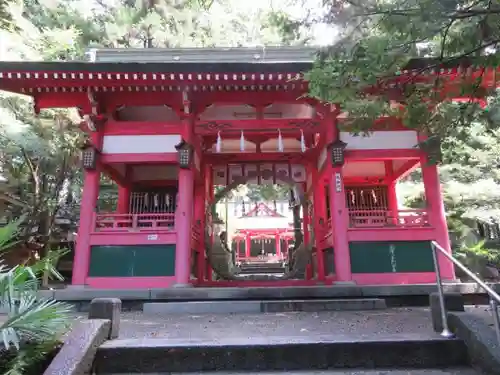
(452, 302)
(107, 308)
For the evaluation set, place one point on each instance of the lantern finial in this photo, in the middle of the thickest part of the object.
(218, 145)
(242, 142)
(302, 141)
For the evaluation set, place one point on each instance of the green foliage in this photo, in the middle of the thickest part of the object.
(380, 37)
(480, 252)
(9, 234)
(267, 192)
(6, 20)
(40, 162)
(478, 259)
(33, 326)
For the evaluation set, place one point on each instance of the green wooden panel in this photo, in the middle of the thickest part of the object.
(415, 256)
(370, 257)
(110, 261)
(329, 260)
(154, 260)
(132, 261)
(387, 257)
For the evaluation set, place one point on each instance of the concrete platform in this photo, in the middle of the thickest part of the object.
(272, 293)
(267, 306)
(279, 354)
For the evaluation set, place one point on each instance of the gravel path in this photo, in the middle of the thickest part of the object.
(220, 326)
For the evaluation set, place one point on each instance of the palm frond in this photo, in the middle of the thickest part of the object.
(35, 321)
(47, 265)
(8, 234)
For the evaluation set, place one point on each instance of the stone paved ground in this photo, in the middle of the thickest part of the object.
(330, 324)
(482, 313)
(452, 371)
(390, 321)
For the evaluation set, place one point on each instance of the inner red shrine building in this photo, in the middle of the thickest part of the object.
(168, 125)
(264, 233)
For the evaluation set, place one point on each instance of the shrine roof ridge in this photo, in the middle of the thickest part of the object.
(254, 55)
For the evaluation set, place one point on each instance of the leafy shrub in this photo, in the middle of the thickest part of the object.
(478, 258)
(31, 332)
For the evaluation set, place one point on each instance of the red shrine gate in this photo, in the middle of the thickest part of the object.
(162, 130)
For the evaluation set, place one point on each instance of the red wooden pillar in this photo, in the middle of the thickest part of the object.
(199, 221)
(90, 195)
(238, 249)
(437, 216)
(277, 239)
(248, 245)
(209, 195)
(305, 222)
(183, 220)
(319, 223)
(122, 206)
(340, 221)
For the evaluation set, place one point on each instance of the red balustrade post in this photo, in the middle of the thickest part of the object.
(90, 195)
(135, 221)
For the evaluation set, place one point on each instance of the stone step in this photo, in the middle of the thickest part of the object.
(285, 354)
(263, 306)
(261, 264)
(408, 371)
(262, 270)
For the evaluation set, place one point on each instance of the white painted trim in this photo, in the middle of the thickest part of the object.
(381, 140)
(140, 144)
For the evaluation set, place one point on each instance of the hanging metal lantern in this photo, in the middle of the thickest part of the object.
(337, 152)
(432, 146)
(89, 157)
(184, 154)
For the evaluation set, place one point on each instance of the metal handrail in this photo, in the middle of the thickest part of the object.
(494, 297)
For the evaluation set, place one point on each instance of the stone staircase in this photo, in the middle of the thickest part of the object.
(262, 268)
(293, 337)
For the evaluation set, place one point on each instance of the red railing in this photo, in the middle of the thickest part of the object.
(134, 222)
(384, 218)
